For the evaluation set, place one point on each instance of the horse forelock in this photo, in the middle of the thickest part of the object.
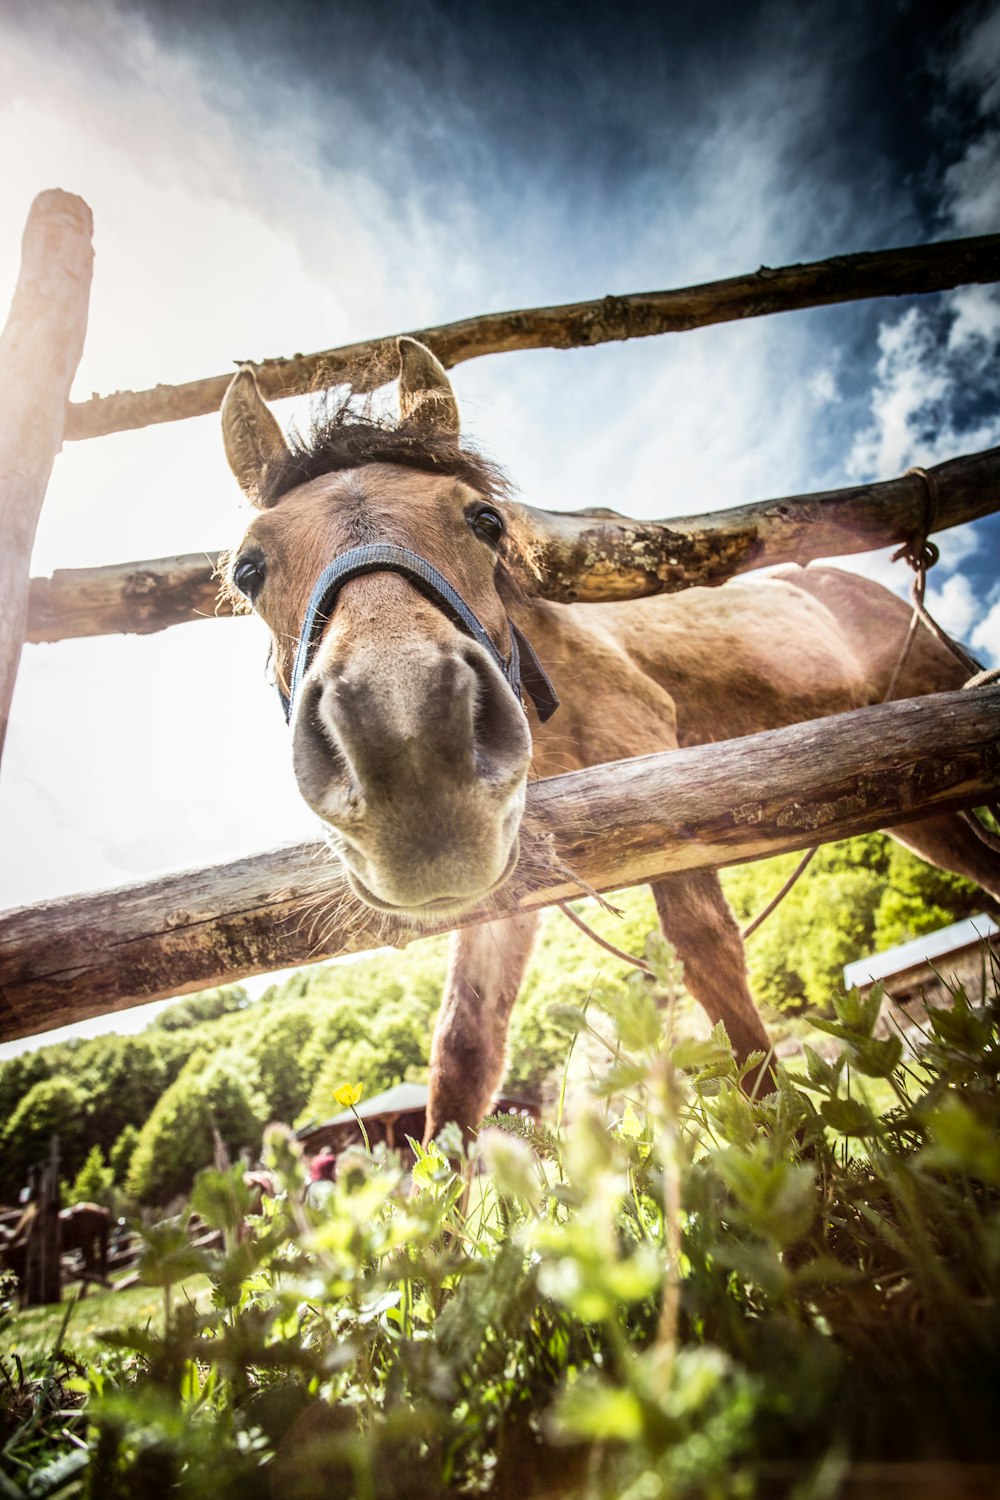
(345, 434)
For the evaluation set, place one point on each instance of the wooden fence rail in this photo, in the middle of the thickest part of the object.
(609, 826)
(907, 271)
(587, 555)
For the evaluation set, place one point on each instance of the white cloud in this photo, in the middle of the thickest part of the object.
(972, 187)
(954, 605)
(972, 184)
(915, 392)
(976, 63)
(128, 755)
(986, 636)
(823, 386)
(976, 312)
(907, 386)
(956, 545)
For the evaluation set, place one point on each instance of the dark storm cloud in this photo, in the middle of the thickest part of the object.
(588, 84)
(601, 107)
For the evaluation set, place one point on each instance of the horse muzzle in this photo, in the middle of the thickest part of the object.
(414, 747)
(418, 767)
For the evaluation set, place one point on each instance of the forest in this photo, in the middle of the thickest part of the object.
(135, 1114)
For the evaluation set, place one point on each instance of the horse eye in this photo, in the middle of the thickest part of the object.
(248, 576)
(488, 524)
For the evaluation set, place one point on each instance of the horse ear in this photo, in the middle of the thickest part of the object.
(426, 398)
(251, 435)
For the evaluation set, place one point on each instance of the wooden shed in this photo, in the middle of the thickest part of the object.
(390, 1117)
(925, 970)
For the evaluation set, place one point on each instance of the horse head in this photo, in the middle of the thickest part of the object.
(384, 560)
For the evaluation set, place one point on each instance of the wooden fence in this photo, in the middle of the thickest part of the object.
(608, 826)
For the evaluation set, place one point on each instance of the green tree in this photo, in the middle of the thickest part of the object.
(121, 1153)
(207, 1005)
(94, 1182)
(51, 1107)
(857, 897)
(18, 1075)
(124, 1076)
(397, 1049)
(919, 898)
(178, 1140)
(276, 1048)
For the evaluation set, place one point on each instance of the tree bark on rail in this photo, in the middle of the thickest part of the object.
(610, 826)
(598, 556)
(586, 555)
(40, 348)
(844, 278)
(135, 598)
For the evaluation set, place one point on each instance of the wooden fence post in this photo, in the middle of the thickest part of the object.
(40, 349)
(42, 1276)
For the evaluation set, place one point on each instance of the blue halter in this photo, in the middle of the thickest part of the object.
(522, 669)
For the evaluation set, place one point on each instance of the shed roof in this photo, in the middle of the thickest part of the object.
(940, 944)
(398, 1100)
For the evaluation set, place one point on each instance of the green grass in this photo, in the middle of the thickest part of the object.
(32, 1334)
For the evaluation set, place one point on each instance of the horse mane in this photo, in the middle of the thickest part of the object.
(344, 434)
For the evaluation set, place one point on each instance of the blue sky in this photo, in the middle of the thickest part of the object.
(270, 179)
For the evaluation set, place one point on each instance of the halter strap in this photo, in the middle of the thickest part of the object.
(522, 669)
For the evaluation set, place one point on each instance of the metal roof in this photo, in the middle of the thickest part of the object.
(395, 1101)
(932, 945)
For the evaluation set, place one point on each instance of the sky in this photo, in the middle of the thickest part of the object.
(266, 180)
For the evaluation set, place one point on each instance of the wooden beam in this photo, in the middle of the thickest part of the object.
(586, 555)
(609, 826)
(136, 598)
(40, 348)
(844, 278)
(597, 556)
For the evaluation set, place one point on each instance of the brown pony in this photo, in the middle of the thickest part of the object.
(83, 1226)
(409, 737)
(86, 1227)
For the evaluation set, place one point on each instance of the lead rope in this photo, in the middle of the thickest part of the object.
(629, 958)
(921, 554)
(920, 559)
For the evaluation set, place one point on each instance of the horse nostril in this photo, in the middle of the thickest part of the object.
(501, 740)
(321, 767)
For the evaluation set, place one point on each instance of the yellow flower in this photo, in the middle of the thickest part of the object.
(348, 1095)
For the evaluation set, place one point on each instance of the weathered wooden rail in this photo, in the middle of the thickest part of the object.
(610, 826)
(579, 559)
(843, 278)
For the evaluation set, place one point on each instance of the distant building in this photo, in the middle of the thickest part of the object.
(919, 973)
(390, 1116)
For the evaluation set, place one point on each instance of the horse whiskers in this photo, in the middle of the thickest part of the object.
(343, 916)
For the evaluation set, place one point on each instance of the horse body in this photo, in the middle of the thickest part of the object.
(82, 1226)
(414, 751)
(86, 1227)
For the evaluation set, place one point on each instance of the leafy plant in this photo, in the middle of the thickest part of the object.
(670, 1290)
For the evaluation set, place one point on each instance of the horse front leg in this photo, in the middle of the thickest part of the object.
(469, 1050)
(697, 919)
